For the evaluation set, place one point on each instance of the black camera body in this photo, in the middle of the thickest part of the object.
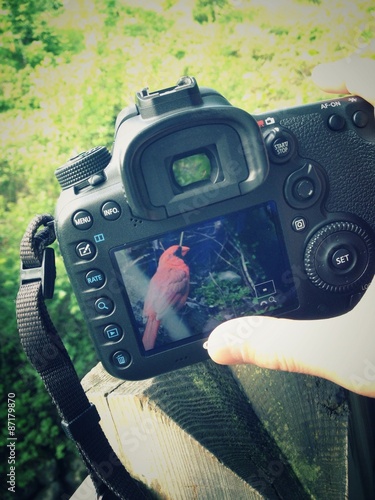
(203, 213)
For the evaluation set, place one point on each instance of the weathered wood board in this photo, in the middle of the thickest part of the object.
(213, 432)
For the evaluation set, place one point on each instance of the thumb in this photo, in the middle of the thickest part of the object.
(340, 349)
(278, 344)
(354, 75)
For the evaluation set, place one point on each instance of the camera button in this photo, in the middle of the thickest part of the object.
(280, 145)
(95, 278)
(299, 224)
(336, 122)
(339, 257)
(82, 220)
(85, 250)
(344, 259)
(113, 332)
(121, 359)
(111, 210)
(304, 189)
(360, 119)
(104, 305)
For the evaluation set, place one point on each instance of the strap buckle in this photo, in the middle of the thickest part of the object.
(46, 273)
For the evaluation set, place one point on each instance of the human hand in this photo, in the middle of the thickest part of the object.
(354, 75)
(340, 349)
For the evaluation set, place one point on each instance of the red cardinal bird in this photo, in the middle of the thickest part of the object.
(169, 288)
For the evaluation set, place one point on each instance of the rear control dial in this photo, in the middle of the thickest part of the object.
(339, 257)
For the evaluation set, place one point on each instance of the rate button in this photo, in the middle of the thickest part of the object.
(95, 278)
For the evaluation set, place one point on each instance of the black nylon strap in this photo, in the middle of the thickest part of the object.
(49, 357)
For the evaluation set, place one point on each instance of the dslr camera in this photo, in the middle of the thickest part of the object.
(202, 213)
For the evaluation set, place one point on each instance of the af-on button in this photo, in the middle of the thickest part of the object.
(336, 122)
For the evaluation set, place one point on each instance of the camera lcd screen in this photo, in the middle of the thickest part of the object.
(182, 284)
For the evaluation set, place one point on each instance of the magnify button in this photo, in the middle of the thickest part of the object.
(104, 305)
(272, 299)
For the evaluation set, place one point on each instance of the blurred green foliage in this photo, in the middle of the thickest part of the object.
(68, 67)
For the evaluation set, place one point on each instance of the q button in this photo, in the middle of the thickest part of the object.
(104, 306)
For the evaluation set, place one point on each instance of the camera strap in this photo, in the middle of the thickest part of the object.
(46, 352)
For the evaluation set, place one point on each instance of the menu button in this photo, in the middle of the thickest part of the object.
(82, 220)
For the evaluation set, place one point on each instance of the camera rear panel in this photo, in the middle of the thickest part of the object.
(296, 241)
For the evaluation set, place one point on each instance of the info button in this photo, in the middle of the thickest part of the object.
(111, 210)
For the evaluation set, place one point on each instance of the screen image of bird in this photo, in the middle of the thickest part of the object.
(168, 289)
(182, 284)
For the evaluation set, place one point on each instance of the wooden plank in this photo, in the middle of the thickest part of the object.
(308, 418)
(153, 447)
(193, 434)
(361, 447)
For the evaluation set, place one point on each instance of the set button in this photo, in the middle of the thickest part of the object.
(344, 259)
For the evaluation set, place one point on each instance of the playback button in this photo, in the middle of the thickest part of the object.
(113, 332)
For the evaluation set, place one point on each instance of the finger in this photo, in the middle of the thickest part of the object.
(353, 75)
(273, 343)
(339, 349)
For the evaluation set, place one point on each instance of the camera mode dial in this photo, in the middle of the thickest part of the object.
(87, 165)
(339, 257)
